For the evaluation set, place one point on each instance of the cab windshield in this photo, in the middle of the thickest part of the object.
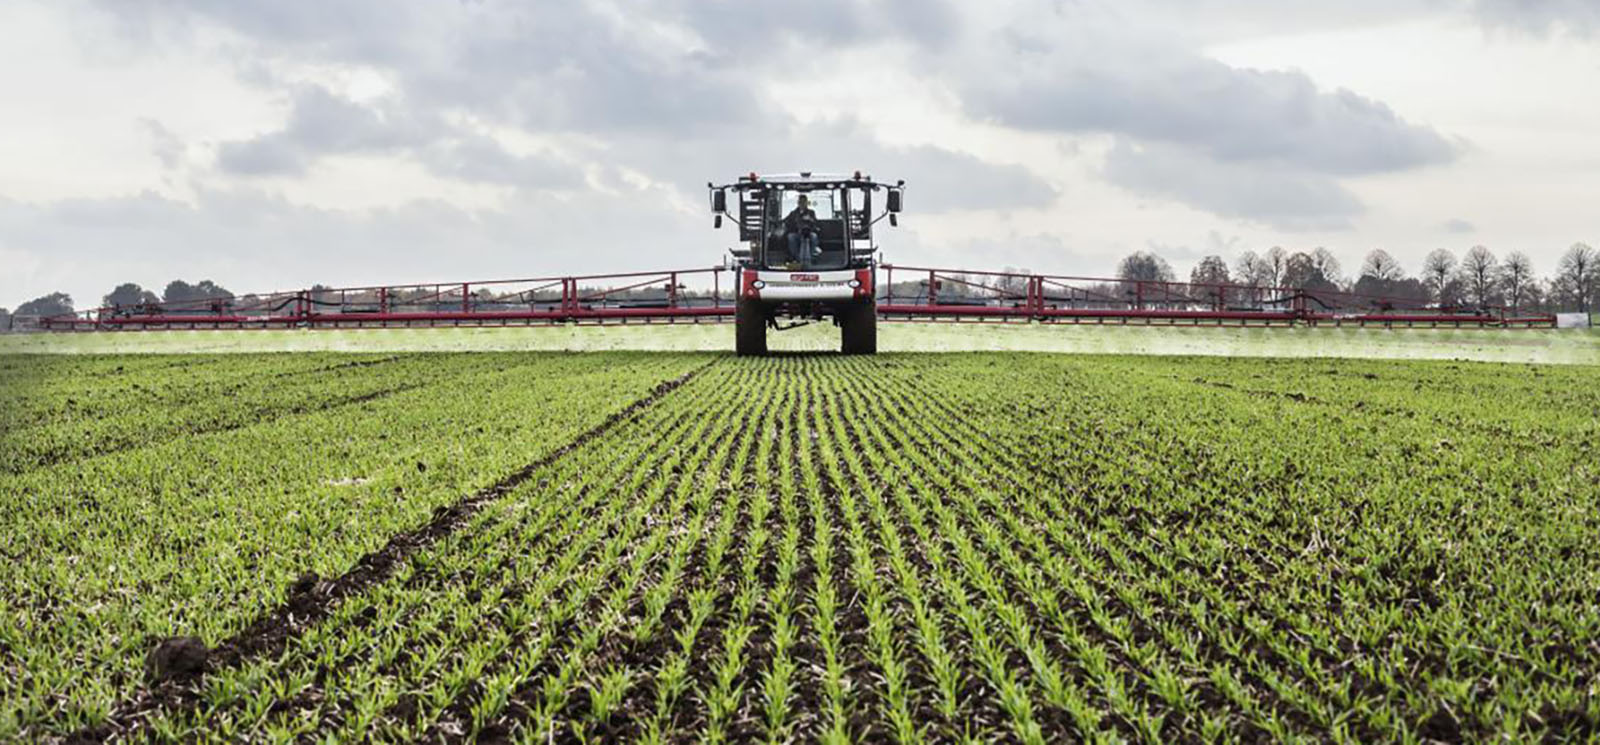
(829, 230)
(821, 202)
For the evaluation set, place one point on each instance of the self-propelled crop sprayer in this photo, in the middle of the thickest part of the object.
(808, 254)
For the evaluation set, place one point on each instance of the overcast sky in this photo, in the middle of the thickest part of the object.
(271, 144)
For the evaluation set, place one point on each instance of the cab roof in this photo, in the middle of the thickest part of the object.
(806, 179)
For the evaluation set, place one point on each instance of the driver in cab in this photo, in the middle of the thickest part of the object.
(801, 226)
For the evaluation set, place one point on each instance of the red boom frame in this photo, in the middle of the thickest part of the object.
(1052, 298)
(666, 297)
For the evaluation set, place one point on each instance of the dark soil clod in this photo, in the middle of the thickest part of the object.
(494, 734)
(178, 658)
(304, 584)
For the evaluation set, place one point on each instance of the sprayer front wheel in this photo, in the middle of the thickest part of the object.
(750, 333)
(858, 328)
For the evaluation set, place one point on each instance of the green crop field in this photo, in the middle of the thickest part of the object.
(540, 547)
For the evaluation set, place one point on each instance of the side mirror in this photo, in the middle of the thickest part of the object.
(719, 201)
(894, 200)
(894, 219)
(716, 222)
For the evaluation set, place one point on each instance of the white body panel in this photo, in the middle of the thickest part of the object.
(782, 286)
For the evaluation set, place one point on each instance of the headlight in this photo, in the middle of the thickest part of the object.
(854, 284)
(758, 284)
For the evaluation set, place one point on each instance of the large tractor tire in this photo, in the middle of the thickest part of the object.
(750, 334)
(858, 328)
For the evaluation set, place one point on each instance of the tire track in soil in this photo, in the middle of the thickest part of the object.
(311, 599)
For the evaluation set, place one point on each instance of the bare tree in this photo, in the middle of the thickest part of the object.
(1275, 262)
(1438, 275)
(1261, 270)
(5, 320)
(1380, 266)
(1478, 271)
(1577, 275)
(1143, 266)
(1328, 265)
(1211, 270)
(1248, 269)
(1516, 278)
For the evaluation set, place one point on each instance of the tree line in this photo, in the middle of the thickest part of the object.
(129, 295)
(1478, 278)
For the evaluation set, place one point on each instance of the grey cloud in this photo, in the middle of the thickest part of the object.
(577, 71)
(322, 124)
(268, 156)
(1458, 225)
(943, 180)
(753, 27)
(1230, 114)
(1282, 198)
(1541, 16)
(480, 159)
